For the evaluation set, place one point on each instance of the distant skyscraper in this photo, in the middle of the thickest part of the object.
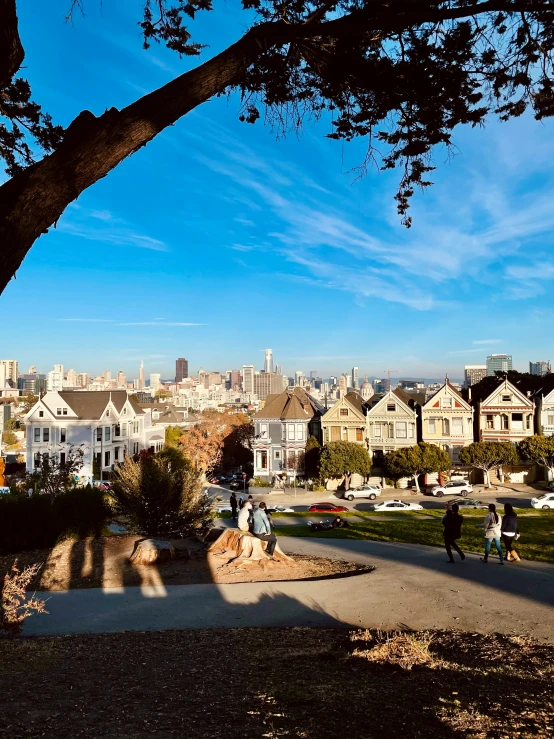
(333, 380)
(299, 378)
(343, 385)
(141, 384)
(248, 378)
(10, 367)
(32, 370)
(498, 363)
(268, 364)
(83, 379)
(72, 379)
(235, 380)
(539, 368)
(181, 369)
(121, 379)
(54, 379)
(278, 369)
(155, 382)
(355, 382)
(107, 375)
(474, 373)
(266, 383)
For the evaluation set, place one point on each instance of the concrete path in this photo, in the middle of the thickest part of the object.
(412, 586)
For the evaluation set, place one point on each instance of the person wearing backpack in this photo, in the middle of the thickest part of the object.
(492, 525)
(510, 532)
(452, 522)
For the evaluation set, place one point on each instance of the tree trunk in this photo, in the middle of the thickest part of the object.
(487, 478)
(11, 50)
(416, 483)
(347, 479)
(243, 548)
(150, 551)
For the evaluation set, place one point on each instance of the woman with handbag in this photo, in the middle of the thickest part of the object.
(492, 526)
(510, 532)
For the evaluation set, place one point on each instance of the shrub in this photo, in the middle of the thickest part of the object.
(317, 488)
(15, 606)
(82, 511)
(257, 482)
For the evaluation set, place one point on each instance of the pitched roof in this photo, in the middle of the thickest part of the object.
(92, 404)
(507, 386)
(290, 404)
(357, 401)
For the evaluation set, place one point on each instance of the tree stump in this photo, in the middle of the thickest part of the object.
(149, 551)
(244, 548)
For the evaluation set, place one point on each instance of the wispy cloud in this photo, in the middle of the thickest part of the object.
(86, 320)
(158, 323)
(488, 341)
(466, 351)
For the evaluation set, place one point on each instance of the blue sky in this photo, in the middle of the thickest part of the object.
(218, 239)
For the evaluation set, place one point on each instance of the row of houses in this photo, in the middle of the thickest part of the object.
(396, 419)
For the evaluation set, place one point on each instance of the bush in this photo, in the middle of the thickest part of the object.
(82, 511)
(257, 482)
(317, 488)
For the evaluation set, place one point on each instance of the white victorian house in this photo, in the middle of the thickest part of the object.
(546, 414)
(107, 425)
(506, 415)
(447, 421)
(391, 424)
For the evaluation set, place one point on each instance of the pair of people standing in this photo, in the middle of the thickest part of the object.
(495, 527)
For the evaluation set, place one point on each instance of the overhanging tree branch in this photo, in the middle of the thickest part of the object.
(11, 49)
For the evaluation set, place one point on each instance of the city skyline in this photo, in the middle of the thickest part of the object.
(222, 216)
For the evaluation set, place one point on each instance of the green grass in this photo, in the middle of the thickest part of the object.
(414, 527)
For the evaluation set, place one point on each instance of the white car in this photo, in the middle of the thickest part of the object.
(397, 505)
(454, 487)
(364, 491)
(545, 501)
(279, 509)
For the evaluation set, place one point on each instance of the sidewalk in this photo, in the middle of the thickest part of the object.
(412, 586)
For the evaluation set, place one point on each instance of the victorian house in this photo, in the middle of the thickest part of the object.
(346, 420)
(545, 414)
(391, 424)
(281, 429)
(506, 415)
(447, 421)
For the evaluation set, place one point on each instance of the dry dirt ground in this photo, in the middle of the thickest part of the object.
(104, 563)
(249, 683)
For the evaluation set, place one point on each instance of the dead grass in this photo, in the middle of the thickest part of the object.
(403, 649)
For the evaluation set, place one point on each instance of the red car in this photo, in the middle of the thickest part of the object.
(327, 508)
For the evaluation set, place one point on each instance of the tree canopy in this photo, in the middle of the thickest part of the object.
(416, 460)
(538, 449)
(402, 75)
(488, 455)
(344, 459)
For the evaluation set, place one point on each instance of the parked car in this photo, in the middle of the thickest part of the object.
(239, 484)
(467, 503)
(279, 509)
(363, 491)
(454, 487)
(327, 508)
(550, 485)
(396, 505)
(543, 501)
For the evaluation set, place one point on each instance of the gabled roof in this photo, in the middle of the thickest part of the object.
(376, 410)
(92, 404)
(356, 401)
(457, 393)
(290, 404)
(507, 385)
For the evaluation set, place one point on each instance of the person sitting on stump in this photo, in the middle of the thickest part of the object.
(262, 530)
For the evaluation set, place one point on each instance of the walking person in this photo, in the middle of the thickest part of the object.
(245, 517)
(510, 532)
(262, 529)
(492, 525)
(233, 503)
(452, 522)
(241, 502)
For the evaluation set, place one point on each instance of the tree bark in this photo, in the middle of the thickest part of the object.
(244, 548)
(11, 50)
(150, 551)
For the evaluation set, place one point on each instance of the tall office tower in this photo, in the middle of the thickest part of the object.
(299, 378)
(268, 364)
(10, 366)
(474, 373)
(54, 379)
(181, 369)
(381, 386)
(72, 378)
(539, 368)
(106, 375)
(235, 380)
(266, 383)
(498, 363)
(30, 383)
(355, 382)
(278, 369)
(333, 380)
(212, 378)
(155, 382)
(32, 370)
(121, 379)
(83, 379)
(313, 373)
(343, 385)
(248, 378)
(141, 384)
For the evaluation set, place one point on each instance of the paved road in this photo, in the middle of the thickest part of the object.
(412, 586)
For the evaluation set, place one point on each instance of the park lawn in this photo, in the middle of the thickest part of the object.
(424, 527)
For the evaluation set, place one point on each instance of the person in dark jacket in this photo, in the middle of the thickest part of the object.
(233, 503)
(510, 532)
(452, 522)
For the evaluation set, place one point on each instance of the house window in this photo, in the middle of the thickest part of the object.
(58, 411)
(62, 458)
(123, 429)
(446, 426)
(283, 431)
(98, 457)
(299, 432)
(46, 434)
(117, 430)
(107, 413)
(38, 459)
(359, 434)
(107, 432)
(116, 453)
(290, 432)
(343, 411)
(457, 426)
(377, 431)
(504, 421)
(506, 398)
(98, 434)
(124, 412)
(37, 434)
(135, 447)
(529, 422)
(551, 420)
(391, 407)
(411, 431)
(64, 411)
(490, 422)
(106, 459)
(401, 430)
(432, 426)
(447, 402)
(62, 435)
(41, 414)
(261, 460)
(277, 454)
(517, 420)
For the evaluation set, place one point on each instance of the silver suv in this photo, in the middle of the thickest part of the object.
(364, 491)
(454, 487)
